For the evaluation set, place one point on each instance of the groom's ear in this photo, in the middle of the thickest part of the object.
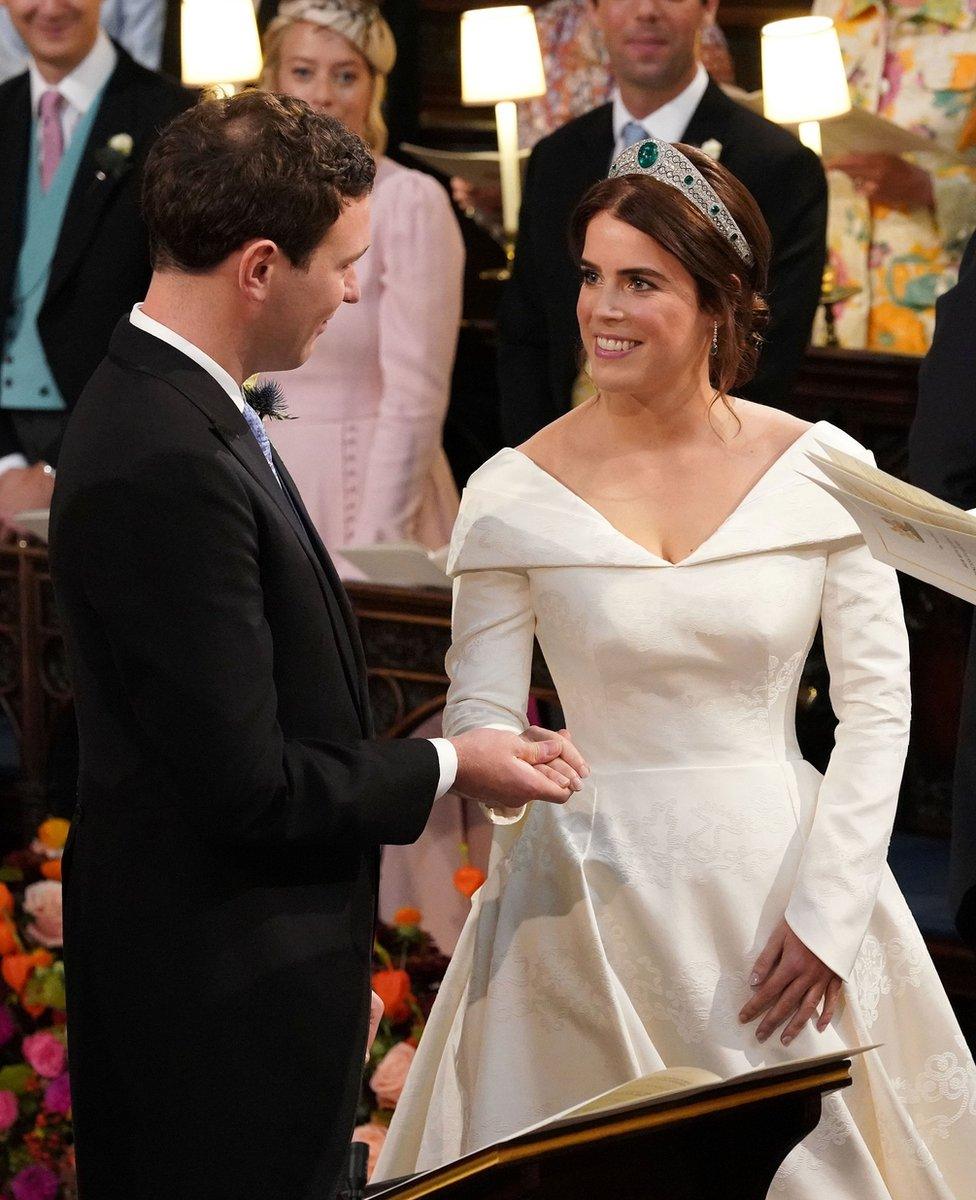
(258, 260)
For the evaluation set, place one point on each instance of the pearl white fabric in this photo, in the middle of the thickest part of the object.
(615, 935)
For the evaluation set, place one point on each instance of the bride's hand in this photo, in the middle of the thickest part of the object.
(790, 983)
(570, 768)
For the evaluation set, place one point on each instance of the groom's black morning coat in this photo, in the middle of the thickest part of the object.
(222, 868)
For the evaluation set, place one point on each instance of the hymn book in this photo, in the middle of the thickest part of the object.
(861, 132)
(399, 564)
(676, 1083)
(904, 526)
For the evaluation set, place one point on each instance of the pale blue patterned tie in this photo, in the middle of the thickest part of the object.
(632, 133)
(262, 439)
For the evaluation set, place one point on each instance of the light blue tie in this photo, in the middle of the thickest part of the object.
(262, 439)
(633, 132)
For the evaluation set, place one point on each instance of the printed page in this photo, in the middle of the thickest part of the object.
(860, 132)
(897, 487)
(945, 558)
(853, 485)
(477, 167)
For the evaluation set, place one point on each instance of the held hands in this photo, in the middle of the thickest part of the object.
(505, 769)
(887, 179)
(790, 982)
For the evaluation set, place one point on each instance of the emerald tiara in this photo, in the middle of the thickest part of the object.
(665, 162)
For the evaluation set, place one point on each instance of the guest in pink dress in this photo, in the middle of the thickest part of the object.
(366, 448)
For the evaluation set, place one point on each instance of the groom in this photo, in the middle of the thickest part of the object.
(222, 869)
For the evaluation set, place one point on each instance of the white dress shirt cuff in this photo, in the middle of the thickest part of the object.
(447, 756)
(12, 460)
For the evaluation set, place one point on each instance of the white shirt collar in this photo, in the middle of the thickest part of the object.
(668, 122)
(233, 389)
(80, 88)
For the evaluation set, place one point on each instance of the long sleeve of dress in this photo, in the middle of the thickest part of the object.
(490, 660)
(420, 312)
(866, 647)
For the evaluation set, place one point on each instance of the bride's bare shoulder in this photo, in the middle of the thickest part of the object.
(770, 427)
(553, 445)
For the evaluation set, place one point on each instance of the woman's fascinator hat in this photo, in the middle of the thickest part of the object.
(662, 161)
(358, 21)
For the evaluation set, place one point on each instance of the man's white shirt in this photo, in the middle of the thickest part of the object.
(446, 754)
(668, 122)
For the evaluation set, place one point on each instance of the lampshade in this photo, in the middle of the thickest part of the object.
(500, 55)
(220, 42)
(802, 71)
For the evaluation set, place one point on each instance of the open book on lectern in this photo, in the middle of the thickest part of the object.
(668, 1088)
(677, 1083)
(904, 526)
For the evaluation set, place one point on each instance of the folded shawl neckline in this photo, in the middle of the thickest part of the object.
(757, 487)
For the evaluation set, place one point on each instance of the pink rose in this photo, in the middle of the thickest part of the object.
(374, 1136)
(43, 902)
(9, 1110)
(391, 1074)
(57, 1096)
(45, 1054)
(35, 1183)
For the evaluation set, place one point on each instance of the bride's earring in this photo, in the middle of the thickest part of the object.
(715, 339)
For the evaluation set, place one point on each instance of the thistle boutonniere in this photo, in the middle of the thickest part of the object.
(713, 148)
(266, 398)
(113, 158)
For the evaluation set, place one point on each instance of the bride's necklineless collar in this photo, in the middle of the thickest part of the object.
(741, 503)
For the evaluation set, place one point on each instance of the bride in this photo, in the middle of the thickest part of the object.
(707, 898)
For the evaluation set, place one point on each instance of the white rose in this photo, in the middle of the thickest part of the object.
(121, 143)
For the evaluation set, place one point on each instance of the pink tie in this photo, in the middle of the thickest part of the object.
(52, 135)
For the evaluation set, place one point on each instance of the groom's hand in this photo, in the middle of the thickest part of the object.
(500, 768)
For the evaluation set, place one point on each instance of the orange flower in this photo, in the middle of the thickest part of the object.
(54, 833)
(52, 869)
(393, 988)
(6, 899)
(18, 968)
(468, 879)
(407, 916)
(9, 943)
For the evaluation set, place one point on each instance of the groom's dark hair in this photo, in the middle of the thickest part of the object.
(251, 166)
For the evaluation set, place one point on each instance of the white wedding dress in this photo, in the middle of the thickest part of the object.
(615, 935)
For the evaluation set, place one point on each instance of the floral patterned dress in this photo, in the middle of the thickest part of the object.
(913, 63)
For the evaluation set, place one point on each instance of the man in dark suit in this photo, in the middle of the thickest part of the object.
(942, 459)
(222, 868)
(75, 128)
(663, 91)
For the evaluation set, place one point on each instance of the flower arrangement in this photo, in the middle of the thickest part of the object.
(408, 970)
(36, 1144)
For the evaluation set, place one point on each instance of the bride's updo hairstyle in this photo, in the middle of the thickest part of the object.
(730, 290)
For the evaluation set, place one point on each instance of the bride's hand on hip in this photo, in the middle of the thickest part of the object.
(792, 985)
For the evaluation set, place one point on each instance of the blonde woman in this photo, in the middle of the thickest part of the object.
(366, 450)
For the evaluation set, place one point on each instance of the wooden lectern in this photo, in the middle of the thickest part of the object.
(725, 1142)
